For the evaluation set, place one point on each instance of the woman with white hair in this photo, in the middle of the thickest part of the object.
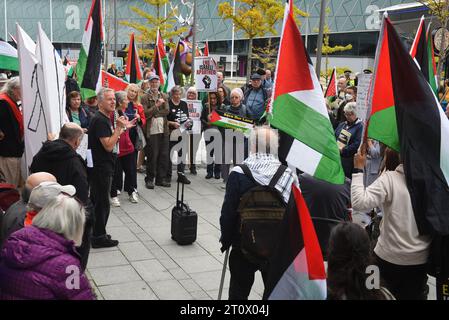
(349, 137)
(50, 269)
(11, 131)
(192, 94)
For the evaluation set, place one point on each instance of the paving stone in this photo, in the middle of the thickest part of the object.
(170, 289)
(176, 251)
(209, 281)
(189, 285)
(135, 251)
(168, 263)
(200, 295)
(179, 274)
(106, 259)
(114, 275)
(137, 290)
(198, 264)
(152, 270)
(122, 234)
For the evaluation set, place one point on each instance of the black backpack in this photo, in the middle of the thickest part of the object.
(261, 211)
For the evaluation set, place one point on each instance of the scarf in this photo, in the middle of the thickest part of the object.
(263, 167)
(15, 111)
(29, 218)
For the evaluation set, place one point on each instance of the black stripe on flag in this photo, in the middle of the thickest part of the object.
(419, 128)
(133, 69)
(92, 72)
(422, 56)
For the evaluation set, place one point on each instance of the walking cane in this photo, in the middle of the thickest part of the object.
(223, 273)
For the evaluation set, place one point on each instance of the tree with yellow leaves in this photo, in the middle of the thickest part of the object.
(255, 18)
(148, 30)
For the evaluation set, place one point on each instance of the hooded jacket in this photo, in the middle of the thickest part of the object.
(41, 264)
(58, 158)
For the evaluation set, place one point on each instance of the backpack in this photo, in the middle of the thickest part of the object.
(261, 210)
(8, 195)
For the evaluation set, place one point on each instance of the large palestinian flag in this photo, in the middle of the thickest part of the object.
(331, 90)
(299, 110)
(89, 62)
(110, 81)
(423, 131)
(161, 64)
(8, 57)
(133, 72)
(423, 54)
(296, 268)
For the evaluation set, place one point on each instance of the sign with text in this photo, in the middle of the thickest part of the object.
(195, 108)
(205, 74)
(364, 81)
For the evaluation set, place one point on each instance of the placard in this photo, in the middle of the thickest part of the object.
(205, 74)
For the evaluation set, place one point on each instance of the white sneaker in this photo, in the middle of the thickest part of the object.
(118, 192)
(115, 202)
(133, 198)
(223, 186)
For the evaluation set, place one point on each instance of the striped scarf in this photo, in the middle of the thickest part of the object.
(263, 167)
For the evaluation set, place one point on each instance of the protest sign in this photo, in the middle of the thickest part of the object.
(195, 108)
(205, 74)
(231, 121)
(363, 86)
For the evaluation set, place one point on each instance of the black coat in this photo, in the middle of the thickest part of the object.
(11, 145)
(58, 158)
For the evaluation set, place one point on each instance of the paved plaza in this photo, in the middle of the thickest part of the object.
(149, 265)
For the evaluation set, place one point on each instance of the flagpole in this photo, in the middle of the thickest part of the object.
(320, 39)
(232, 43)
(307, 25)
(192, 80)
(51, 22)
(115, 28)
(6, 23)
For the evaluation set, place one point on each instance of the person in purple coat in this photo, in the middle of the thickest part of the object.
(40, 262)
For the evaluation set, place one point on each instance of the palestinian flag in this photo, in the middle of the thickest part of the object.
(423, 54)
(110, 81)
(230, 121)
(68, 67)
(89, 62)
(382, 122)
(161, 64)
(206, 50)
(174, 76)
(8, 57)
(423, 131)
(299, 110)
(331, 90)
(133, 72)
(296, 268)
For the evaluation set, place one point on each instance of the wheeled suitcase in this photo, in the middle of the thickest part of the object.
(184, 221)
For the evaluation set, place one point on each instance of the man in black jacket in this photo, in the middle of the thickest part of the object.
(59, 158)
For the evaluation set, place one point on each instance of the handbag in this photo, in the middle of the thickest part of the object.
(140, 139)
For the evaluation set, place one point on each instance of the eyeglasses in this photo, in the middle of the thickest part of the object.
(235, 97)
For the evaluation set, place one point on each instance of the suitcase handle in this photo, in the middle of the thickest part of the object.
(180, 203)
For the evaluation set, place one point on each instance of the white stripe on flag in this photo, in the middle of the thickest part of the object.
(87, 36)
(304, 157)
(444, 148)
(7, 50)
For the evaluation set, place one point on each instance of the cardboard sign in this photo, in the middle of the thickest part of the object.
(195, 108)
(231, 121)
(364, 81)
(205, 74)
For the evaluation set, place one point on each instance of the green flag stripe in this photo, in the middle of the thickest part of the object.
(302, 123)
(80, 70)
(432, 76)
(330, 171)
(9, 63)
(383, 128)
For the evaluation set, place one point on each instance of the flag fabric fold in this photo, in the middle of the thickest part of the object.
(296, 268)
(299, 110)
(89, 62)
(206, 49)
(133, 72)
(331, 90)
(8, 57)
(422, 129)
(174, 76)
(161, 64)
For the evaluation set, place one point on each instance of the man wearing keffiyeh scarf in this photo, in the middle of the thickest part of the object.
(263, 164)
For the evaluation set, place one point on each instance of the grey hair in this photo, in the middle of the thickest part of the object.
(192, 89)
(239, 92)
(175, 89)
(350, 107)
(264, 139)
(71, 132)
(63, 215)
(120, 96)
(101, 94)
(12, 84)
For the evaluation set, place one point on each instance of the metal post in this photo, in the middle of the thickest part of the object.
(193, 43)
(307, 25)
(232, 42)
(6, 23)
(223, 273)
(106, 40)
(51, 21)
(115, 28)
(320, 38)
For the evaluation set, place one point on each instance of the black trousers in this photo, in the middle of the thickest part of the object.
(242, 275)
(157, 154)
(404, 282)
(128, 165)
(225, 167)
(214, 167)
(181, 159)
(99, 194)
(84, 248)
(193, 148)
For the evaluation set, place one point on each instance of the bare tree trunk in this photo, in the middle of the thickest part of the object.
(250, 53)
(442, 57)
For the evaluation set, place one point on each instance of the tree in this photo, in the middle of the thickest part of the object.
(326, 48)
(148, 30)
(440, 9)
(267, 55)
(255, 18)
